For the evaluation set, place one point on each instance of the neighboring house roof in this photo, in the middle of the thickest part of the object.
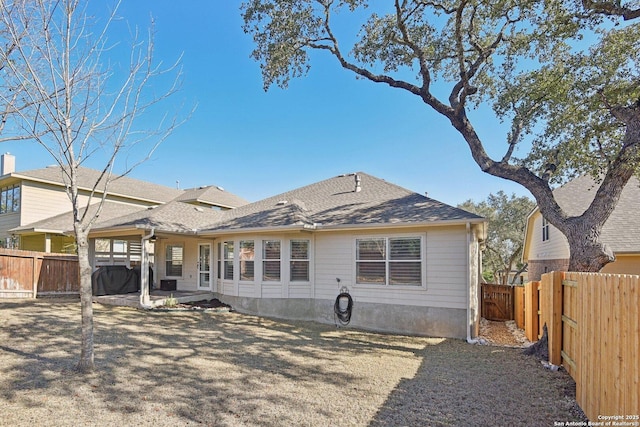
(63, 223)
(124, 186)
(173, 217)
(335, 203)
(622, 230)
(211, 195)
(119, 186)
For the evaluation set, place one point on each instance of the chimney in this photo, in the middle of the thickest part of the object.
(358, 187)
(7, 164)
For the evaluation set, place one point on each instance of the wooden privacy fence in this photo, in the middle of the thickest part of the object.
(593, 323)
(25, 274)
(497, 302)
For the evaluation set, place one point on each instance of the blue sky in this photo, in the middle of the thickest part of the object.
(258, 144)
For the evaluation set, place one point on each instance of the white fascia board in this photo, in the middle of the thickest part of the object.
(343, 227)
(442, 223)
(40, 231)
(227, 231)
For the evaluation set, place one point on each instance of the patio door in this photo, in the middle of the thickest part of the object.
(204, 266)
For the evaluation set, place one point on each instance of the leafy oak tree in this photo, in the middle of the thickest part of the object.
(79, 103)
(565, 75)
(507, 216)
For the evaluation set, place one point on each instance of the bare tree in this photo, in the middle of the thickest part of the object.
(80, 103)
(11, 100)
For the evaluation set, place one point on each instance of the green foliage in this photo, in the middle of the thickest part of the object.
(549, 68)
(507, 218)
(487, 276)
(564, 75)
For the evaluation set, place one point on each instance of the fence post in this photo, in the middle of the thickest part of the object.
(34, 276)
(531, 324)
(554, 328)
(518, 306)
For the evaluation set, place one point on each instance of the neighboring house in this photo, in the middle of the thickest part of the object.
(30, 199)
(547, 249)
(410, 263)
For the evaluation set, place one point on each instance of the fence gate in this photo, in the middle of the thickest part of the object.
(497, 302)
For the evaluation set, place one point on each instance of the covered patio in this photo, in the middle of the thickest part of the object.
(157, 298)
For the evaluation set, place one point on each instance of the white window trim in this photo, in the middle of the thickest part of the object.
(307, 260)
(181, 244)
(387, 286)
(281, 260)
(233, 260)
(254, 260)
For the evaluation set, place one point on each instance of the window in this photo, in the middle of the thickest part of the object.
(405, 264)
(389, 261)
(219, 260)
(370, 261)
(10, 199)
(271, 260)
(174, 256)
(247, 256)
(228, 260)
(545, 230)
(299, 264)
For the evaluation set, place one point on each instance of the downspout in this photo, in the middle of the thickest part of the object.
(145, 302)
(468, 325)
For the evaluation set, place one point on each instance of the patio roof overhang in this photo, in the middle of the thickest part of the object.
(35, 230)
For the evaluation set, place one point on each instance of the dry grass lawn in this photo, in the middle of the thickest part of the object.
(228, 369)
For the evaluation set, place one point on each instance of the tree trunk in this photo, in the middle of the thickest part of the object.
(587, 253)
(86, 295)
(583, 232)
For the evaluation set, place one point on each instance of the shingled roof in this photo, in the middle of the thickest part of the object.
(335, 203)
(211, 195)
(124, 186)
(332, 203)
(63, 223)
(172, 217)
(119, 186)
(622, 230)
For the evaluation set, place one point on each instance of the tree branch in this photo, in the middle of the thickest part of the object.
(417, 51)
(611, 9)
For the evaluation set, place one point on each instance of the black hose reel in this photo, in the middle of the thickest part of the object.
(343, 307)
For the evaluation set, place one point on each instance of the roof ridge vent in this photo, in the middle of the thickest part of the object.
(219, 188)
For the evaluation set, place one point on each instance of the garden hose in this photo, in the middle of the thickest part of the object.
(343, 315)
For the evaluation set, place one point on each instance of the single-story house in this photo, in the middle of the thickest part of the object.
(411, 264)
(547, 249)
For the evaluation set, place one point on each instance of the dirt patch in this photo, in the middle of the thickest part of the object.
(212, 304)
(502, 334)
(202, 367)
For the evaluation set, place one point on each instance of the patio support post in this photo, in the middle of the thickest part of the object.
(145, 302)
